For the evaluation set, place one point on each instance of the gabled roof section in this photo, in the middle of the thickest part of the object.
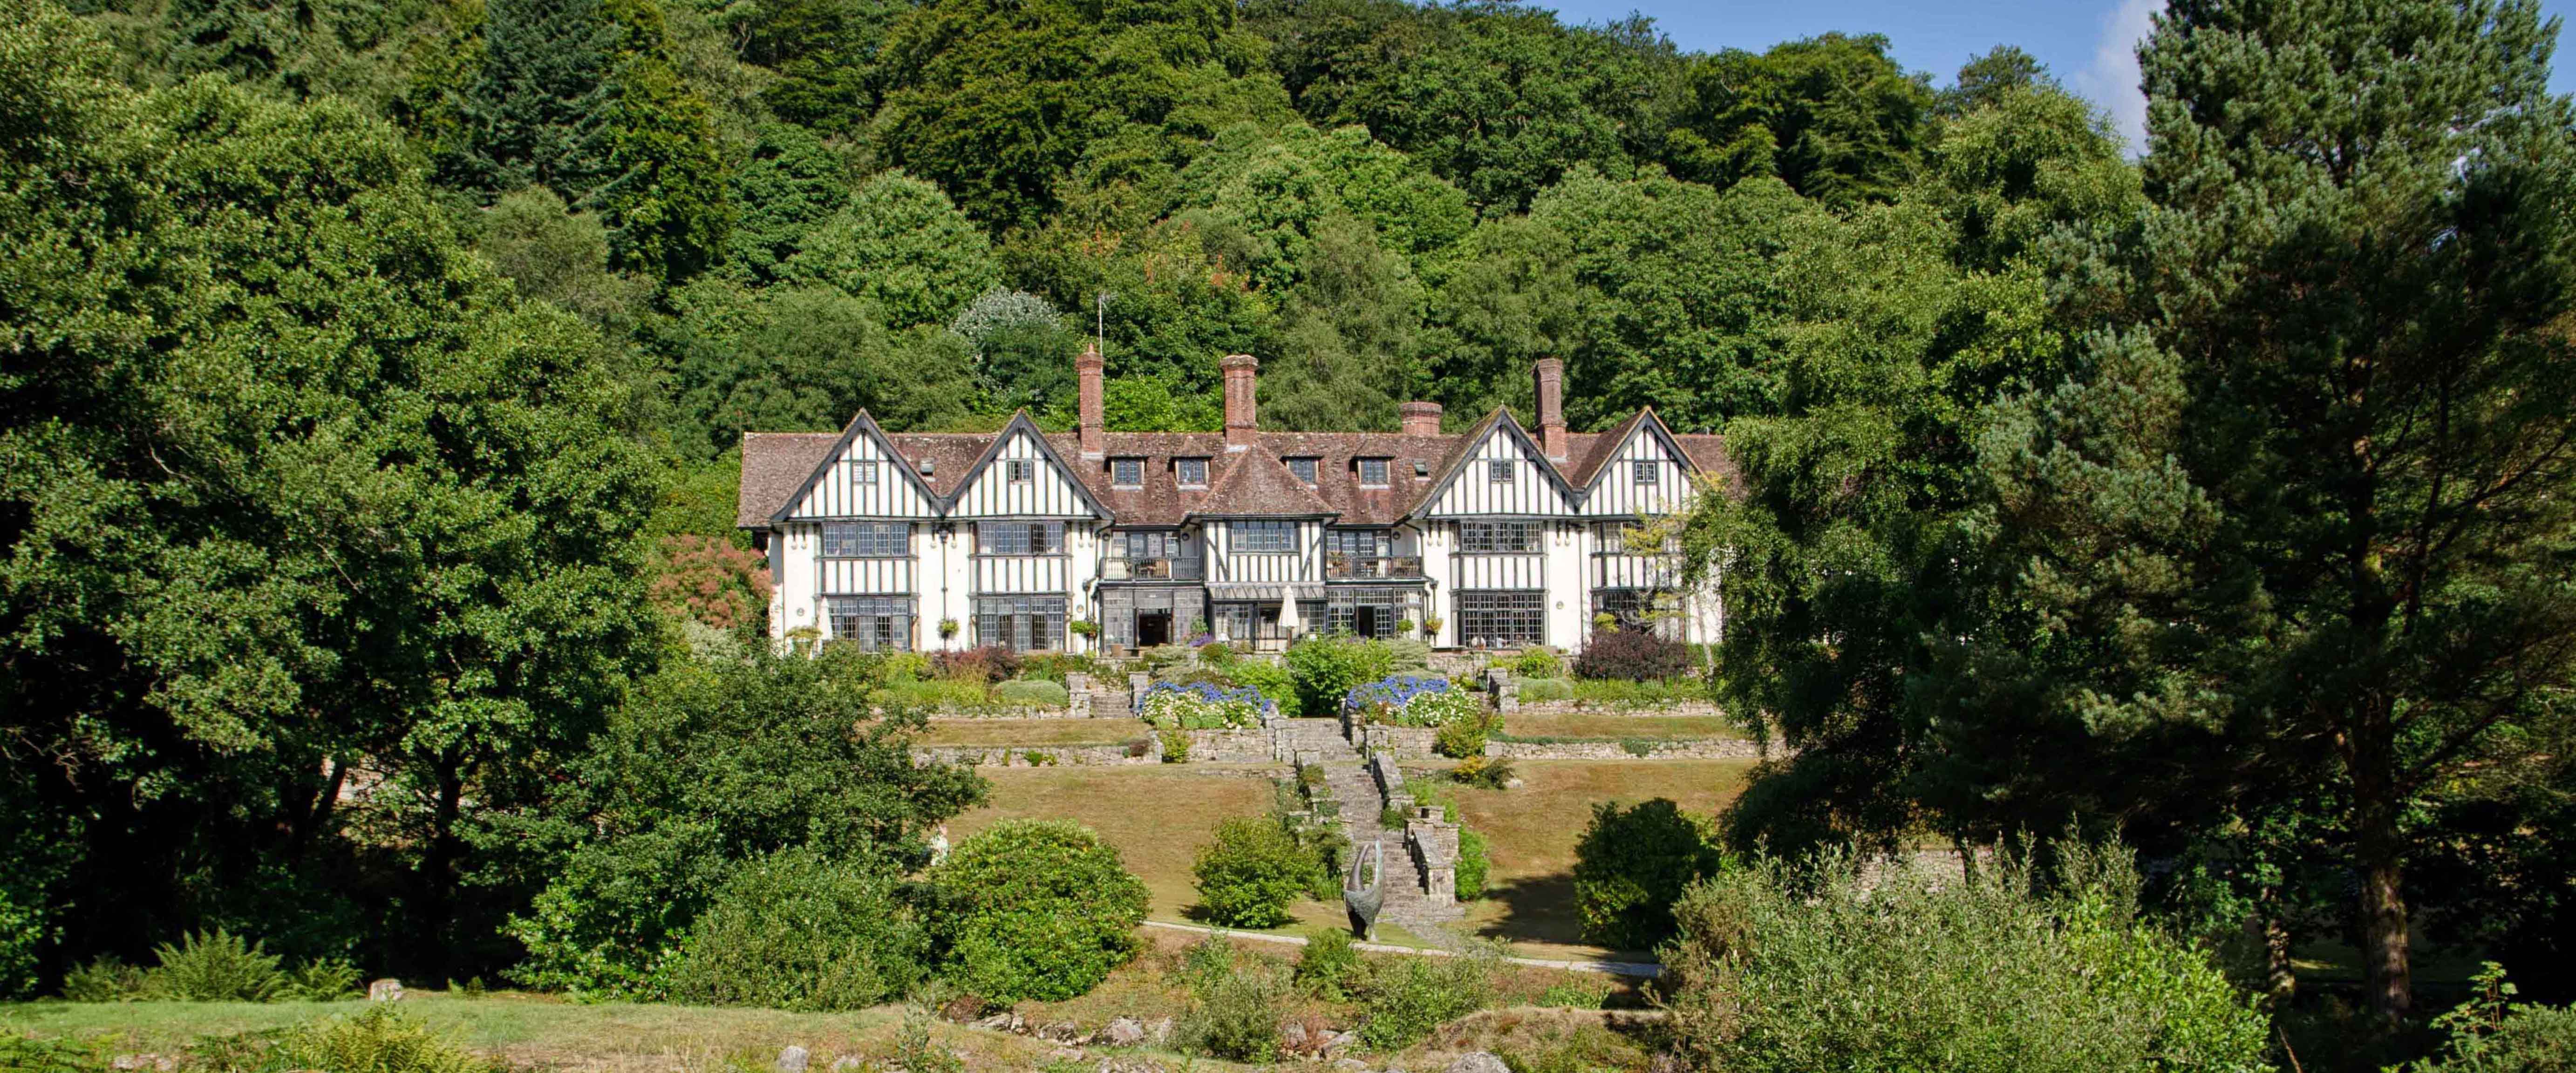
(861, 425)
(1465, 448)
(1258, 483)
(1020, 423)
(777, 467)
(1606, 446)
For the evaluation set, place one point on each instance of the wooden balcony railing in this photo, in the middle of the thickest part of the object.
(1343, 566)
(1172, 569)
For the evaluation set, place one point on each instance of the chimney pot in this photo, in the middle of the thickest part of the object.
(1240, 424)
(1420, 418)
(1550, 374)
(1088, 369)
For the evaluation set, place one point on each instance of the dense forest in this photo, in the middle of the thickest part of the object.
(375, 369)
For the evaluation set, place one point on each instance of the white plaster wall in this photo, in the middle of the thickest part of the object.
(1438, 541)
(1568, 569)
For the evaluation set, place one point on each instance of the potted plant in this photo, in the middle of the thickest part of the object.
(1430, 626)
(947, 628)
(1083, 628)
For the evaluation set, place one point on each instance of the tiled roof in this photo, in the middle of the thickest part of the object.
(776, 464)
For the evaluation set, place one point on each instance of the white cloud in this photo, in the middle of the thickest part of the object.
(2111, 80)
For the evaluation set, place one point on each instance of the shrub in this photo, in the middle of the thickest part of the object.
(1161, 658)
(1407, 700)
(1800, 967)
(1460, 739)
(1474, 862)
(1408, 997)
(1579, 991)
(1236, 1001)
(1406, 654)
(936, 693)
(1053, 666)
(22, 930)
(1324, 669)
(1632, 864)
(1484, 772)
(103, 980)
(379, 1040)
(1633, 656)
(322, 980)
(1621, 693)
(1540, 690)
(1201, 706)
(1250, 873)
(1216, 654)
(904, 666)
(1329, 966)
(988, 664)
(216, 967)
(1270, 680)
(798, 931)
(1036, 909)
(2491, 1034)
(1025, 693)
(1538, 663)
(1220, 677)
(1176, 745)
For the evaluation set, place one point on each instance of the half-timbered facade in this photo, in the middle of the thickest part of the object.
(1499, 536)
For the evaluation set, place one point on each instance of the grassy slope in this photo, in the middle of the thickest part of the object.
(1529, 898)
(1615, 726)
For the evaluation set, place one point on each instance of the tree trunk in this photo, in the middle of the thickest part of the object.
(438, 867)
(2379, 855)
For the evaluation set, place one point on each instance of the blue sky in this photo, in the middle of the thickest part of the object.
(2085, 42)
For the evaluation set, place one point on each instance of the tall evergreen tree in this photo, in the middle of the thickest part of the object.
(2316, 494)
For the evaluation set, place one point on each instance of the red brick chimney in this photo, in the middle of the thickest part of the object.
(1087, 369)
(1550, 373)
(1239, 425)
(1420, 418)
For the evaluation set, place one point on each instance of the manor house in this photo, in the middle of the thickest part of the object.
(1499, 537)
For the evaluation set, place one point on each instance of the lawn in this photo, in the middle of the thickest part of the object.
(1158, 816)
(544, 1032)
(1529, 896)
(991, 732)
(1616, 726)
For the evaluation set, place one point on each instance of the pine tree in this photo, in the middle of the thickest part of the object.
(2317, 493)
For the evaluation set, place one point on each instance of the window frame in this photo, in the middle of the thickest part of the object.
(872, 623)
(1309, 470)
(1021, 622)
(1285, 533)
(1644, 471)
(1385, 471)
(1181, 468)
(863, 471)
(1118, 465)
(1020, 470)
(1501, 618)
(1501, 471)
(1481, 537)
(864, 540)
(1024, 545)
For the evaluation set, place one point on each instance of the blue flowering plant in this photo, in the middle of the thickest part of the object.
(1203, 706)
(1409, 700)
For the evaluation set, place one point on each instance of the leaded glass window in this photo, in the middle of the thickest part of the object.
(1498, 538)
(1020, 623)
(1019, 538)
(871, 623)
(1502, 619)
(867, 540)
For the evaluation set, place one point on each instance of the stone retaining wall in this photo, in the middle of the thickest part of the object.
(1403, 743)
(1680, 749)
(1035, 755)
(1246, 745)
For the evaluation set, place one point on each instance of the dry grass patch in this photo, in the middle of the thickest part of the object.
(1616, 726)
(1529, 895)
(1034, 732)
(1157, 816)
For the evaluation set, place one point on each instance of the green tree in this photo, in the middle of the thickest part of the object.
(1832, 116)
(808, 358)
(1039, 909)
(2311, 493)
(792, 182)
(292, 480)
(903, 247)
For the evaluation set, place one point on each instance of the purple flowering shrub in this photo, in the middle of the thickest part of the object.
(1203, 706)
(1411, 700)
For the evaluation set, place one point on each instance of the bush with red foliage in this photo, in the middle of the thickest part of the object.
(710, 580)
(989, 664)
(1632, 656)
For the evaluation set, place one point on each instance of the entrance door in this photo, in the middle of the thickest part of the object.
(1365, 621)
(1153, 628)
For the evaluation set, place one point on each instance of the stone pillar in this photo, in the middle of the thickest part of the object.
(1434, 843)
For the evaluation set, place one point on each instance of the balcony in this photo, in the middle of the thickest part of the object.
(1343, 566)
(1171, 569)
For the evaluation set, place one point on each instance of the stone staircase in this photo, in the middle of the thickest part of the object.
(1406, 904)
(1318, 741)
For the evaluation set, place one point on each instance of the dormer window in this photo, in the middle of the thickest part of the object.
(1192, 472)
(1304, 468)
(863, 471)
(1019, 470)
(1499, 471)
(1648, 471)
(1372, 472)
(1127, 472)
